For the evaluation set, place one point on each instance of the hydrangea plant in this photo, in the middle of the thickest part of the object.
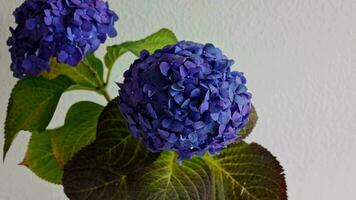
(175, 131)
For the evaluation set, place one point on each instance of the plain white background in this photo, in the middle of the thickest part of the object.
(300, 60)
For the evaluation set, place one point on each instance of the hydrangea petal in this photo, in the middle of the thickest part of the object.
(164, 67)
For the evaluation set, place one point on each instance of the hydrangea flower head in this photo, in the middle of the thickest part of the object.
(64, 29)
(185, 98)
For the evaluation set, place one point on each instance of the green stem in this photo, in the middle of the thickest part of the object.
(108, 76)
(101, 91)
(105, 93)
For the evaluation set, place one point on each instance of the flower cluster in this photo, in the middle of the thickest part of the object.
(64, 29)
(185, 98)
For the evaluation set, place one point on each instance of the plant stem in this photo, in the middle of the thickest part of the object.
(105, 93)
(101, 91)
(108, 76)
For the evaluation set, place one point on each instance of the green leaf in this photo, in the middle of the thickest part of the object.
(32, 104)
(77, 132)
(88, 73)
(111, 121)
(50, 150)
(246, 171)
(166, 179)
(153, 42)
(241, 171)
(40, 159)
(96, 64)
(118, 166)
(252, 121)
(99, 170)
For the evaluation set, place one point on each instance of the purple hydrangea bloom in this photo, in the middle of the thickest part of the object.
(64, 29)
(185, 98)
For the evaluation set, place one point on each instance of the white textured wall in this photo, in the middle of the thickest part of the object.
(300, 60)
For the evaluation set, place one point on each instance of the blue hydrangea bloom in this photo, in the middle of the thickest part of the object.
(64, 29)
(185, 98)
